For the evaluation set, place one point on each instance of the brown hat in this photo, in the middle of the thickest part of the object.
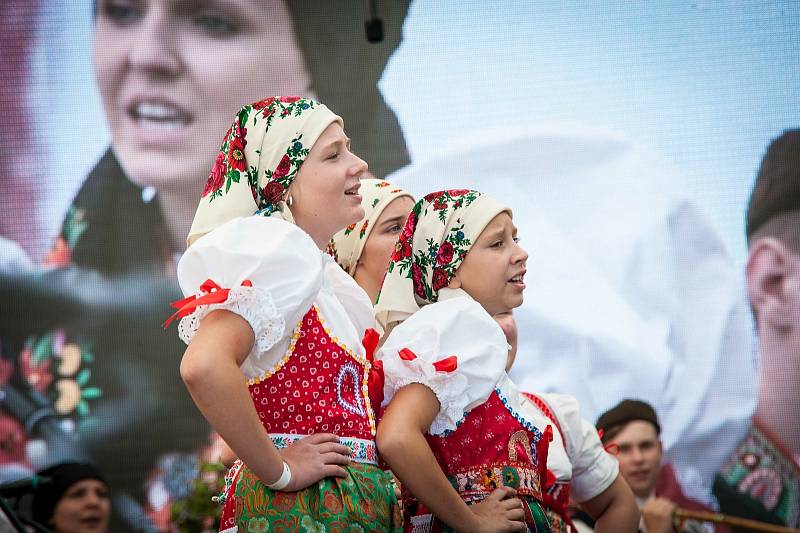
(628, 411)
(777, 187)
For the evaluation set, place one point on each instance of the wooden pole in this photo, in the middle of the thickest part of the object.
(718, 518)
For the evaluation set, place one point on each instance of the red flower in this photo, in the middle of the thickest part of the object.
(408, 229)
(289, 99)
(60, 254)
(236, 154)
(283, 167)
(439, 204)
(433, 196)
(368, 509)
(416, 276)
(38, 375)
(446, 252)
(458, 192)
(273, 192)
(261, 104)
(402, 249)
(332, 503)
(283, 501)
(217, 177)
(439, 279)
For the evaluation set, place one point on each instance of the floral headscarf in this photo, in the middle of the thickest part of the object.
(259, 159)
(347, 245)
(435, 240)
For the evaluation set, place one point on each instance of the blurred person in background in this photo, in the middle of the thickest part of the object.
(631, 431)
(761, 478)
(74, 500)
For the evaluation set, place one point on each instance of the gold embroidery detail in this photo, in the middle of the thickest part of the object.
(522, 438)
(277, 366)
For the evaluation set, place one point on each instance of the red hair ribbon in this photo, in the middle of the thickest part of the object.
(448, 364)
(376, 378)
(214, 294)
(542, 449)
(370, 343)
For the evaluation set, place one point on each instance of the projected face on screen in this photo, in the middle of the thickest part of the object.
(171, 74)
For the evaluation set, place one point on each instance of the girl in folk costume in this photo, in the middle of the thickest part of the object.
(275, 359)
(455, 427)
(578, 467)
(443, 357)
(363, 249)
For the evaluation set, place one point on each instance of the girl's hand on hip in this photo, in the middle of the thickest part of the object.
(313, 458)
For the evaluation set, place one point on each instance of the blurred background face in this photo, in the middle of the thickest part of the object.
(639, 456)
(84, 508)
(374, 260)
(172, 73)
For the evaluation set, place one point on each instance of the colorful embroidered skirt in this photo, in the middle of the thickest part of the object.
(364, 501)
(417, 519)
(557, 522)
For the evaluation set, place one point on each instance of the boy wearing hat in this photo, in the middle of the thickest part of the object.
(761, 478)
(631, 431)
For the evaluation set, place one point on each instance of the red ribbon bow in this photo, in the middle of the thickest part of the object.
(448, 364)
(375, 380)
(214, 294)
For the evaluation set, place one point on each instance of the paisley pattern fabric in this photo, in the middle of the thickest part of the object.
(361, 502)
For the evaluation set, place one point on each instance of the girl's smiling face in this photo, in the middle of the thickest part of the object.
(324, 194)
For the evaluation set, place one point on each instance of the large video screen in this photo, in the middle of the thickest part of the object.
(625, 136)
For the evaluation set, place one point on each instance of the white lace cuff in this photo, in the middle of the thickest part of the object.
(450, 388)
(255, 305)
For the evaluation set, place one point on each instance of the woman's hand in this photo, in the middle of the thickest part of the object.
(313, 458)
(499, 512)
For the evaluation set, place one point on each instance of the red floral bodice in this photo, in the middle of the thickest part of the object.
(319, 386)
(492, 447)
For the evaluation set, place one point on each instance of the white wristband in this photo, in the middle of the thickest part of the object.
(282, 481)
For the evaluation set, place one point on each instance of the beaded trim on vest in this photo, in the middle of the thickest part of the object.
(364, 451)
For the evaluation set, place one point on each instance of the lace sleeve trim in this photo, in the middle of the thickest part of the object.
(450, 389)
(255, 305)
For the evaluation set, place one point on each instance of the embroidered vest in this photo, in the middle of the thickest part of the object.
(491, 448)
(319, 386)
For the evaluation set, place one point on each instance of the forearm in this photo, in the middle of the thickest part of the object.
(219, 390)
(615, 509)
(618, 517)
(411, 460)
